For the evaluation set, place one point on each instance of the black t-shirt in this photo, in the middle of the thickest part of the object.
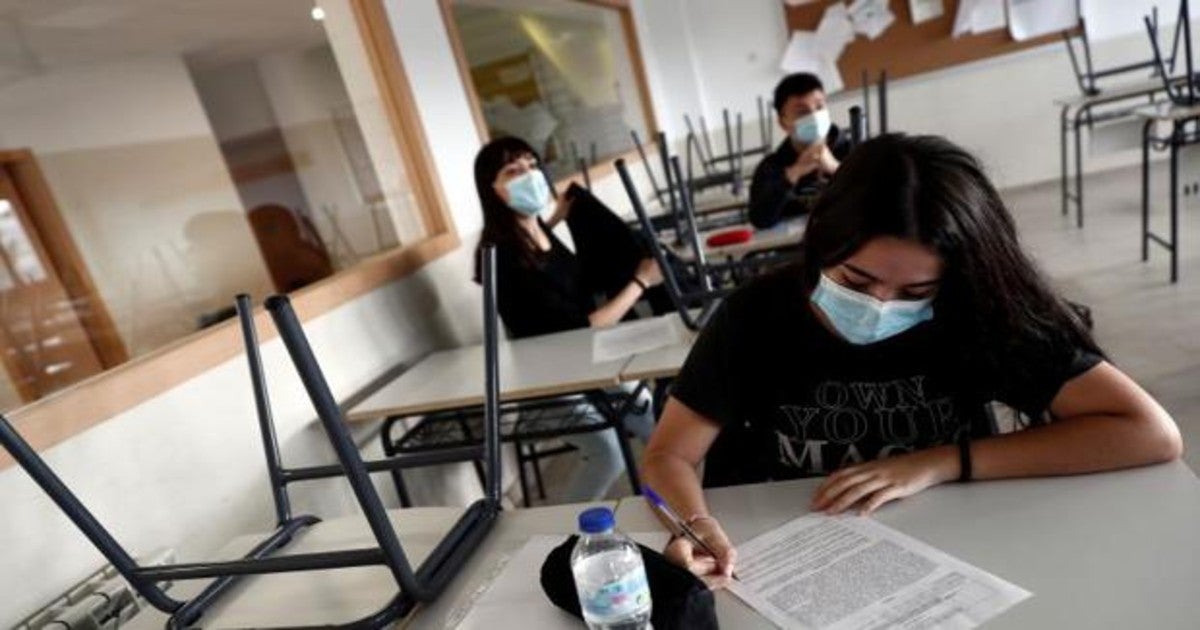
(544, 297)
(772, 197)
(795, 400)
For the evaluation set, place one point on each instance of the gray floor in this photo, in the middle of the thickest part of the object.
(1149, 327)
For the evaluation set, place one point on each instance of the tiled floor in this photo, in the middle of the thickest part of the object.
(1149, 327)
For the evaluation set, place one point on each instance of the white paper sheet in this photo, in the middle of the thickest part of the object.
(512, 597)
(834, 32)
(1033, 18)
(979, 16)
(962, 19)
(925, 10)
(803, 55)
(988, 15)
(798, 575)
(871, 17)
(630, 338)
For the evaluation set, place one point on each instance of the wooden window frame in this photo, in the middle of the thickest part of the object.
(633, 48)
(72, 411)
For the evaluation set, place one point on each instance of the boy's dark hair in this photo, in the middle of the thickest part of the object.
(797, 84)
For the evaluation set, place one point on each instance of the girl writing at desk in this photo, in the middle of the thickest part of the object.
(874, 359)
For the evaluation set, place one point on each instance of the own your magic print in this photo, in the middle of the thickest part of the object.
(846, 418)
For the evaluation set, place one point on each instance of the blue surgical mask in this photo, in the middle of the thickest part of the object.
(862, 319)
(812, 128)
(529, 194)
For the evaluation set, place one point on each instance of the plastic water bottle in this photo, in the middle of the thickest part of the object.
(609, 575)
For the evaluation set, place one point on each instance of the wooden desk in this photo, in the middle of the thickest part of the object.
(1112, 550)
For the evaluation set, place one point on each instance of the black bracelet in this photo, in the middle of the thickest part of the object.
(964, 457)
(638, 281)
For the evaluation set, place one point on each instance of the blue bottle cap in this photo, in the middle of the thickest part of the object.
(596, 520)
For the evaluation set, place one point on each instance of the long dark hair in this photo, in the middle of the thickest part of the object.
(500, 225)
(992, 298)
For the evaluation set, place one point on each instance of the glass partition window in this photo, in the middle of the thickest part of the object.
(556, 73)
(190, 151)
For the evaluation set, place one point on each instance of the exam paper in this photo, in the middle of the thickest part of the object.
(1028, 19)
(630, 338)
(853, 573)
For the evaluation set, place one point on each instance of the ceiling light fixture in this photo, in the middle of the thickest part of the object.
(318, 14)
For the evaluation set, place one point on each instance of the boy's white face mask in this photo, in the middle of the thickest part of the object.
(812, 128)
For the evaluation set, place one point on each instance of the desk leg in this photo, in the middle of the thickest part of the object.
(1063, 123)
(617, 417)
(1078, 124)
(390, 450)
(1146, 131)
(1175, 140)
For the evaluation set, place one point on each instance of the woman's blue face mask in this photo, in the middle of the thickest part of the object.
(862, 319)
(528, 194)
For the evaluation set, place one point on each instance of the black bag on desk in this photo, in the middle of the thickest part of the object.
(607, 249)
(680, 599)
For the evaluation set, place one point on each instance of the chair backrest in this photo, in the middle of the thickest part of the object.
(1088, 77)
(1184, 93)
(421, 585)
(683, 300)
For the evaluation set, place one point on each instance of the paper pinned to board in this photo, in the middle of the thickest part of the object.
(979, 16)
(630, 338)
(1028, 19)
(834, 32)
(803, 55)
(925, 10)
(871, 17)
(796, 574)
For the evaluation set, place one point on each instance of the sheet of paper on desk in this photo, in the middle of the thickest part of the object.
(631, 338)
(514, 599)
(853, 573)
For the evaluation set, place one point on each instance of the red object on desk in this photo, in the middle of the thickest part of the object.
(730, 237)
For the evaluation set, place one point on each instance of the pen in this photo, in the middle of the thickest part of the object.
(684, 529)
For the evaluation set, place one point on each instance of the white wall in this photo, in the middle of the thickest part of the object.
(138, 177)
(442, 103)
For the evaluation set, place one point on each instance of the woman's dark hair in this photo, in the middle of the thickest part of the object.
(500, 225)
(992, 298)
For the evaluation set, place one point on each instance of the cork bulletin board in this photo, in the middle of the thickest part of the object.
(907, 49)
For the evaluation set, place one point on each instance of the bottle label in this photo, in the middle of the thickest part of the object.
(618, 599)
